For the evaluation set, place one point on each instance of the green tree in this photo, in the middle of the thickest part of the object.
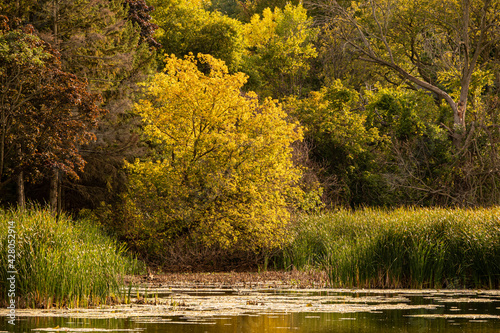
(187, 27)
(222, 171)
(278, 49)
(436, 46)
(249, 8)
(109, 44)
(400, 113)
(97, 40)
(139, 14)
(344, 146)
(230, 8)
(423, 167)
(420, 161)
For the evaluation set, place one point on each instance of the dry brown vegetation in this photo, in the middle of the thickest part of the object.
(267, 279)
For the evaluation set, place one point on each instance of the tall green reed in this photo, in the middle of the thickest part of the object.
(406, 247)
(62, 262)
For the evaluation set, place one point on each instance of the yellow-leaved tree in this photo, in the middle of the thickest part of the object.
(279, 48)
(222, 173)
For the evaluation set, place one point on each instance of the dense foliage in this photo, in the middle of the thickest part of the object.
(249, 112)
(279, 46)
(222, 171)
(403, 248)
(46, 113)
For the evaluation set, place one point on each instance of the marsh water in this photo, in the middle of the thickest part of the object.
(269, 310)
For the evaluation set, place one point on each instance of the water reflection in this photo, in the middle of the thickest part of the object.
(328, 322)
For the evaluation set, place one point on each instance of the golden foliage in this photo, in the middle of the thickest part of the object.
(222, 172)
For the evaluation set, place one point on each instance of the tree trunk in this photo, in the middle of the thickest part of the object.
(55, 23)
(2, 144)
(53, 195)
(59, 193)
(21, 199)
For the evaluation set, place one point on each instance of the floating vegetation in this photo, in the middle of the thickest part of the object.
(261, 310)
(148, 320)
(466, 300)
(71, 329)
(255, 302)
(193, 322)
(455, 316)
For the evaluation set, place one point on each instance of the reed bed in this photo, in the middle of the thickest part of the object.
(403, 248)
(61, 263)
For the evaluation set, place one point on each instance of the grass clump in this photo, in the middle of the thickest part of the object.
(61, 262)
(404, 248)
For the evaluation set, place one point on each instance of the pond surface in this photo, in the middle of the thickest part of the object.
(251, 311)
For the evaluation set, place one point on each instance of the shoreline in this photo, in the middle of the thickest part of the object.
(267, 279)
